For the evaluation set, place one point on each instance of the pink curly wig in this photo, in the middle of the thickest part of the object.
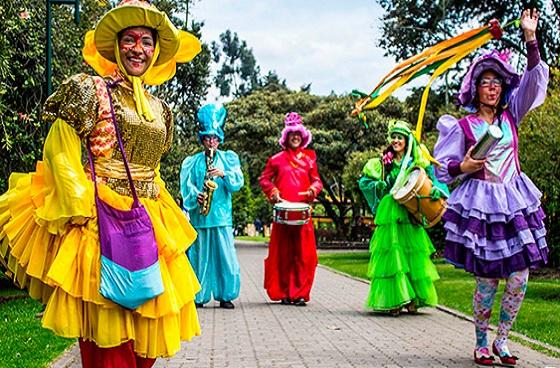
(294, 123)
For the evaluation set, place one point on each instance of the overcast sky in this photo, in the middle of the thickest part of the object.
(328, 43)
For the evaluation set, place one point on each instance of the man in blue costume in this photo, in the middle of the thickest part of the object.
(213, 255)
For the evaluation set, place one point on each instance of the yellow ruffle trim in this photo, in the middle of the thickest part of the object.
(63, 271)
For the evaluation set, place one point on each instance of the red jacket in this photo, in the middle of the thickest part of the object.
(292, 173)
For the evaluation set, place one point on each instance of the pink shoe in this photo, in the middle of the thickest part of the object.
(482, 357)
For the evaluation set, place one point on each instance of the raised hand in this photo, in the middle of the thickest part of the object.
(529, 22)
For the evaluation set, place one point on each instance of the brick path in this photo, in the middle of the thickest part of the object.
(334, 330)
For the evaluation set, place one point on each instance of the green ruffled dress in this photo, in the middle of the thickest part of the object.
(400, 267)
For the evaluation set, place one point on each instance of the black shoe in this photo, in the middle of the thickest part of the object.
(286, 301)
(199, 305)
(411, 308)
(227, 305)
(300, 302)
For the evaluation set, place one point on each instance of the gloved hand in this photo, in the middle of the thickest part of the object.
(380, 188)
(435, 194)
(381, 185)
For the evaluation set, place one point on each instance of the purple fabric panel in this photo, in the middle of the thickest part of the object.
(511, 121)
(126, 237)
(533, 54)
(498, 230)
(531, 92)
(469, 135)
(469, 142)
(454, 168)
(464, 258)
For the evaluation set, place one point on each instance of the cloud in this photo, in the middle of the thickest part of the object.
(330, 44)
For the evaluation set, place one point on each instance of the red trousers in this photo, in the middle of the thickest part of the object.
(121, 356)
(289, 270)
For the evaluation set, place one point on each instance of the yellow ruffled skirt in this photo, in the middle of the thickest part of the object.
(63, 271)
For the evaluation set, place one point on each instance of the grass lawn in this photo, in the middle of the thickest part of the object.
(23, 342)
(539, 317)
(258, 238)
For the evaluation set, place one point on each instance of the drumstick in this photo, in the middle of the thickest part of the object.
(303, 193)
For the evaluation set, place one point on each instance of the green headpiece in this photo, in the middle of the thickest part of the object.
(399, 126)
(413, 149)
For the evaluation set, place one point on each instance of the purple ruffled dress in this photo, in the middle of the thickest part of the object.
(494, 221)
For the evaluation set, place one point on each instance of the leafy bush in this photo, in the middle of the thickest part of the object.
(22, 74)
(539, 149)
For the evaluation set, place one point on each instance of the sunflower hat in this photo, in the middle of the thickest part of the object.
(173, 46)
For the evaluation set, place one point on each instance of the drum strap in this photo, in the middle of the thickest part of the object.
(424, 220)
(404, 165)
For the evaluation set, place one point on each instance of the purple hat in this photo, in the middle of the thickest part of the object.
(294, 124)
(495, 61)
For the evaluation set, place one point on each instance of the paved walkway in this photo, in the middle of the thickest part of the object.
(334, 330)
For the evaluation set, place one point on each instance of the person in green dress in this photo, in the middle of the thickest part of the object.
(401, 271)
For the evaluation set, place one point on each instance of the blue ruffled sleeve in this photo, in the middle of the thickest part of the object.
(188, 181)
(233, 176)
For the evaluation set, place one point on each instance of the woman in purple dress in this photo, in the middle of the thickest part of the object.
(494, 222)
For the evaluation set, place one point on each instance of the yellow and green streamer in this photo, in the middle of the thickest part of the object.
(435, 61)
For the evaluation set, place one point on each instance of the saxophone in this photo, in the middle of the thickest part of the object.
(209, 184)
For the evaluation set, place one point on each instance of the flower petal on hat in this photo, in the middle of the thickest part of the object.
(102, 66)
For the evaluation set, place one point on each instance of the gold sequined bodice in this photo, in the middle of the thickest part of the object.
(144, 141)
(80, 102)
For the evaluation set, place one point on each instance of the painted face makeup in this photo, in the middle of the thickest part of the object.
(137, 37)
(136, 49)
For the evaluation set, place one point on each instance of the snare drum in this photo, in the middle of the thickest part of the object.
(291, 213)
(415, 196)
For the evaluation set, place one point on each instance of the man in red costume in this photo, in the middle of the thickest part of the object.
(291, 175)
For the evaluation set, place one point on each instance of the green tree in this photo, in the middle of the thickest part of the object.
(272, 82)
(22, 74)
(538, 146)
(185, 93)
(238, 74)
(436, 106)
(337, 136)
(411, 26)
(244, 203)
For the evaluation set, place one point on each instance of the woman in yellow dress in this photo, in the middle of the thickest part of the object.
(49, 239)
